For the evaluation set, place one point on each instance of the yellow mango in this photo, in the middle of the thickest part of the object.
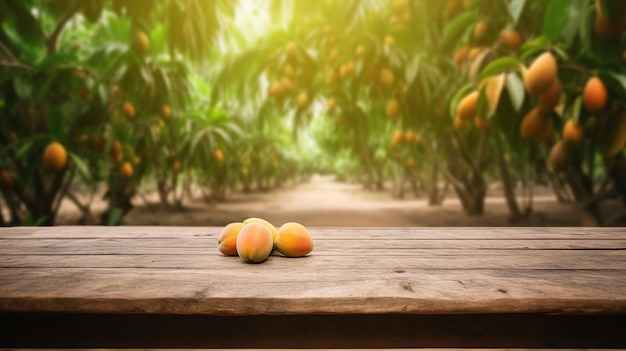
(227, 243)
(293, 240)
(254, 243)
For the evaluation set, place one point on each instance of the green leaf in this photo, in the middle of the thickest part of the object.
(586, 30)
(460, 94)
(455, 29)
(616, 84)
(82, 168)
(482, 107)
(23, 86)
(147, 76)
(555, 18)
(515, 87)
(115, 216)
(532, 47)
(26, 25)
(92, 9)
(577, 10)
(560, 52)
(515, 9)
(24, 149)
(56, 125)
(493, 90)
(498, 66)
(576, 108)
(58, 59)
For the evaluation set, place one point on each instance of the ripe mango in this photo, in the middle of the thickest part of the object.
(550, 100)
(269, 226)
(560, 156)
(511, 39)
(227, 243)
(573, 132)
(595, 95)
(126, 171)
(6, 180)
(393, 107)
(534, 124)
(293, 240)
(466, 109)
(55, 157)
(254, 242)
(141, 42)
(386, 77)
(541, 74)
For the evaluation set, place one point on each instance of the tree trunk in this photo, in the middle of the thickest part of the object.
(618, 175)
(414, 185)
(398, 183)
(559, 190)
(508, 186)
(163, 192)
(472, 196)
(590, 216)
(434, 197)
(119, 196)
(14, 205)
(380, 181)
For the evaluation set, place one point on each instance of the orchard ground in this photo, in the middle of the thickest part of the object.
(325, 202)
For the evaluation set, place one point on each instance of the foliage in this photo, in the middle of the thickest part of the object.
(194, 91)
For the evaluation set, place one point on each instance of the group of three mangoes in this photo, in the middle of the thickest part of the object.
(254, 240)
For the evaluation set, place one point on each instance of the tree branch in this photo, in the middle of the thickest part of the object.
(451, 178)
(5, 50)
(599, 197)
(63, 191)
(51, 40)
(74, 199)
(12, 60)
(15, 65)
(465, 153)
(480, 152)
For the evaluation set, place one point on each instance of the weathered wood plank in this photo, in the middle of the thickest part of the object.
(184, 291)
(355, 260)
(360, 287)
(186, 245)
(571, 233)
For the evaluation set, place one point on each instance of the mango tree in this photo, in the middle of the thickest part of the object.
(84, 88)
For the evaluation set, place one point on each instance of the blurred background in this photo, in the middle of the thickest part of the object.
(329, 113)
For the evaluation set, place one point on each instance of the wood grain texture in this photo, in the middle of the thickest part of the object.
(360, 287)
(351, 271)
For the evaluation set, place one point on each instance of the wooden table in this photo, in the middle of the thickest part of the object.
(360, 288)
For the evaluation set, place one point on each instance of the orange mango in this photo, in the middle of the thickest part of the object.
(293, 240)
(227, 243)
(254, 243)
(269, 226)
(55, 157)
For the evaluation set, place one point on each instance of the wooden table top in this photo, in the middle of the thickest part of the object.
(415, 271)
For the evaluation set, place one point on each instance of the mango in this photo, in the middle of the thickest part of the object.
(541, 75)
(254, 242)
(227, 243)
(269, 226)
(550, 100)
(534, 124)
(55, 157)
(559, 156)
(572, 132)
(595, 95)
(293, 240)
(466, 109)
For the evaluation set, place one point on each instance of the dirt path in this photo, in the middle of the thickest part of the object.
(325, 202)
